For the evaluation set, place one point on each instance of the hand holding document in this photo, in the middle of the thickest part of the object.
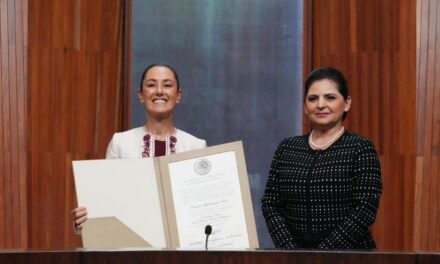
(185, 192)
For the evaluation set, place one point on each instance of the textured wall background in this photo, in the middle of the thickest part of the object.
(13, 127)
(240, 68)
(74, 101)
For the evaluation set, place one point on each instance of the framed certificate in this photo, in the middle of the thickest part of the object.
(168, 201)
(209, 187)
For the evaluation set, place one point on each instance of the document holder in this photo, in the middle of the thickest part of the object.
(109, 232)
(166, 202)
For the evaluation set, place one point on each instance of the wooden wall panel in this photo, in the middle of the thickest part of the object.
(374, 43)
(75, 104)
(427, 216)
(13, 74)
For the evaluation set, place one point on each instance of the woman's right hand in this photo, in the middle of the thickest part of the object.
(79, 216)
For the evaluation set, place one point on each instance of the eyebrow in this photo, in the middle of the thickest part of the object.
(323, 94)
(164, 80)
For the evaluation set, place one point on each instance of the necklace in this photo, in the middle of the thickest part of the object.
(326, 145)
(149, 144)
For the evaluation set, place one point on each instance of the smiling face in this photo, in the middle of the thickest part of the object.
(324, 105)
(160, 92)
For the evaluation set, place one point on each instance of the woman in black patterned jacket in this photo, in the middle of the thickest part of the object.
(323, 188)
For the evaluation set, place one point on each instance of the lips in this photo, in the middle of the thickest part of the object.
(160, 101)
(322, 114)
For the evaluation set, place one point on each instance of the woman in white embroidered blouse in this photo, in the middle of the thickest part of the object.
(159, 92)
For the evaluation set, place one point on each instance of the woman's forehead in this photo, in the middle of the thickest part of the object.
(160, 73)
(323, 86)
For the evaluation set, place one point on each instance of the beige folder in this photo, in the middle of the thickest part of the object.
(138, 193)
(109, 232)
(127, 190)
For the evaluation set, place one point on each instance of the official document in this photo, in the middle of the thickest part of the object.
(206, 191)
(168, 201)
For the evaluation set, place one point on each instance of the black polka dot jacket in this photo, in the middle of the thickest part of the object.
(323, 199)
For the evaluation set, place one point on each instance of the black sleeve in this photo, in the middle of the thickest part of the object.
(273, 208)
(367, 191)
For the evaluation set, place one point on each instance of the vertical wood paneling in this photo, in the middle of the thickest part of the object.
(76, 93)
(374, 43)
(127, 62)
(427, 217)
(13, 181)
